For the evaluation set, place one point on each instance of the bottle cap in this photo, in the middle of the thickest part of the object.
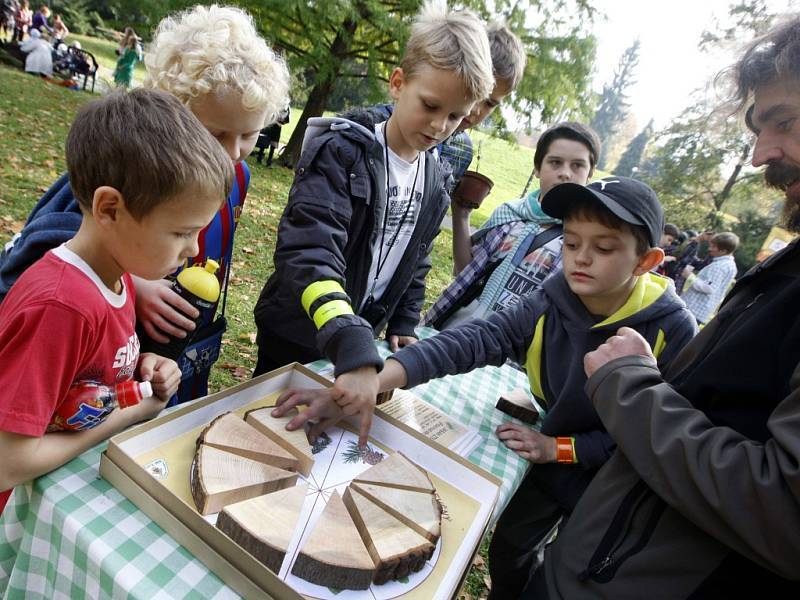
(145, 389)
(201, 280)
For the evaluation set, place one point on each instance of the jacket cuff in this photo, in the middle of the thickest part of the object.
(402, 326)
(413, 365)
(599, 376)
(352, 348)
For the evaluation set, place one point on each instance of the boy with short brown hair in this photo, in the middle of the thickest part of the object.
(148, 177)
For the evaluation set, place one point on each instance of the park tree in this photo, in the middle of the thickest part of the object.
(701, 160)
(630, 160)
(613, 105)
(326, 41)
(363, 39)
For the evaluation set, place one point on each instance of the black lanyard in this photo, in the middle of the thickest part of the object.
(382, 263)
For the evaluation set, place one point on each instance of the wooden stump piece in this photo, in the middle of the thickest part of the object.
(397, 471)
(334, 555)
(231, 433)
(396, 549)
(295, 442)
(517, 404)
(264, 526)
(419, 510)
(220, 478)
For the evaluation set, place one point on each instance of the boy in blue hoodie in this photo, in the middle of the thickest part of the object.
(611, 233)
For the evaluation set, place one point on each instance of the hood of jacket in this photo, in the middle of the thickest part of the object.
(360, 124)
(653, 297)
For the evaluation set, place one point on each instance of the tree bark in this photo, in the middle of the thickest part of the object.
(318, 97)
(723, 196)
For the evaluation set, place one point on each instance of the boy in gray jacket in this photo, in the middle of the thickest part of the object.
(611, 233)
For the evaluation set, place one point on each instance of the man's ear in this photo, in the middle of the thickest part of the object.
(107, 205)
(649, 260)
(396, 81)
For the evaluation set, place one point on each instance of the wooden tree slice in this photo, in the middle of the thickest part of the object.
(264, 526)
(396, 549)
(517, 403)
(220, 478)
(229, 432)
(397, 471)
(419, 510)
(295, 442)
(334, 555)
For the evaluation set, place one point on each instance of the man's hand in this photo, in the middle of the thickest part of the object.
(161, 311)
(627, 342)
(398, 341)
(356, 392)
(528, 443)
(687, 270)
(162, 373)
(321, 410)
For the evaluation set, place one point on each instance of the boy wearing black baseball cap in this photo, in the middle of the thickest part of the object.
(611, 232)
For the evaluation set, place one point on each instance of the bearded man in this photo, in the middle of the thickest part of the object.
(702, 498)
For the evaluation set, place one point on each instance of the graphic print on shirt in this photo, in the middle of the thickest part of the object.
(126, 357)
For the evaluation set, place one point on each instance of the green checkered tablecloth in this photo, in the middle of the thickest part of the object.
(70, 534)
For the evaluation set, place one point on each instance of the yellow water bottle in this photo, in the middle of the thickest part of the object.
(199, 286)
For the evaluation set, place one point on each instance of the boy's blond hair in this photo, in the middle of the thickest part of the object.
(451, 41)
(149, 147)
(216, 49)
(508, 54)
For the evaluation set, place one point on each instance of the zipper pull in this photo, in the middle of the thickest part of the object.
(596, 568)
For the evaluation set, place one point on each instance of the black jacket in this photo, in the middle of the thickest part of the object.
(326, 234)
(702, 498)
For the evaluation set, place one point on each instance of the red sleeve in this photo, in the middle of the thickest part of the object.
(41, 349)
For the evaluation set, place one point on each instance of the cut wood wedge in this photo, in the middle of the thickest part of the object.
(295, 442)
(333, 555)
(231, 433)
(397, 471)
(264, 526)
(220, 478)
(396, 549)
(419, 510)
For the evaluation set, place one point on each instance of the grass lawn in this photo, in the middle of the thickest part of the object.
(34, 119)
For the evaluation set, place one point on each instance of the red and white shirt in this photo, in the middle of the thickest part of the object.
(60, 325)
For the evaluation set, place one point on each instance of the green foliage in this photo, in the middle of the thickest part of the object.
(613, 106)
(560, 53)
(752, 230)
(629, 162)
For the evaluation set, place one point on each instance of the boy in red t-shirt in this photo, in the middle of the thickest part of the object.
(148, 177)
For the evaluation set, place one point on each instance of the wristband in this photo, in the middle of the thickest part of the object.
(565, 450)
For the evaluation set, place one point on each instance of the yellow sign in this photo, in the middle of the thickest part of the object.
(776, 240)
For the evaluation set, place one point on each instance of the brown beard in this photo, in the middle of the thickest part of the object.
(780, 176)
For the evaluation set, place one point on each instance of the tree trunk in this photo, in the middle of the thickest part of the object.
(318, 97)
(723, 196)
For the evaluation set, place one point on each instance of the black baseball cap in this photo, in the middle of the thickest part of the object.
(629, 199)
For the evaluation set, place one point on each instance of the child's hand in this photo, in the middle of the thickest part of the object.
(321, 410)
(162, 373)
(160, 310)
(398, 341)
(528, 443)
(356, 392)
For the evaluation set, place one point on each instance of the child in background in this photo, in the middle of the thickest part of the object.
(70, 318)
(212, 59)
(366, 204)
(611, 234)
(519, 246)
(130, 52)
(705, 290)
